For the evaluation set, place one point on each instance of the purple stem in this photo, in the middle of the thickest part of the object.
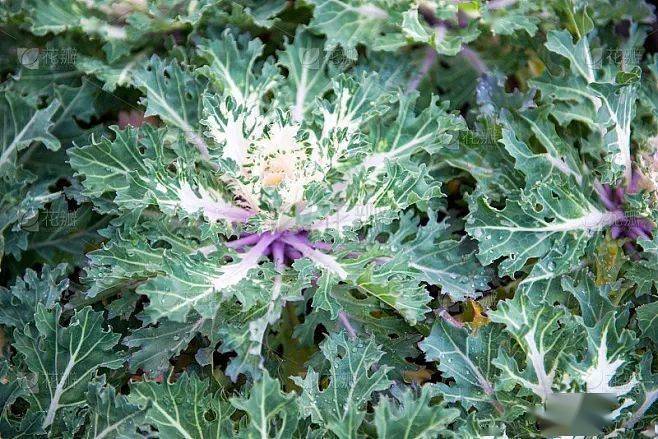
(297, 238)
(322, 259)
(474, 60)
(646, 225)
(322, 246)
(499, 4)
(292, 253)
(277, 254)
(629, 248)
(233, 214)
(639, 231)
(428, 15)
(462, 19)
(346, 323)
(247, 240)
(619, 194)
(615, 231)
(445, 315)
(605, 194)
(634, 184)
(258, 250)
(302, 238)
(428, 62)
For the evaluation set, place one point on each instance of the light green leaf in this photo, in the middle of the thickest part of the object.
(559, 156)
(306, 63)
(172, 94)
(178, 408)
(609, 344)
(440, 256)
(408, 298)
(647, 317)
(22, 125)
(157, 344)
(110, 414)
(413, 417)
(339, 407)
(467, 358)
(201, 284)
(145, 166)
(121, 262)
(234, 68)
(118, 74)
(607, 107)
(19, 305)
(552, 222)
(430, 130)
(542, 333)
(445, 42)
(395, 335)
(512, 18)
(270, 413)
(323, 298)
(578, 54)
(645, 393)
(64, 358)
(348, 23)
(55, 16)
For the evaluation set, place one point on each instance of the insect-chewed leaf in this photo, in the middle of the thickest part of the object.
(609, 343)
(156, 345)
(12, 386)
(552, 222)
(23, 125)
(64, 359)
(19, 305)
(232, 68)
(270, 412)
(413, 417)
(339, 407)
(110, 414)
(184, 407)
(546, 337)
(468, 359)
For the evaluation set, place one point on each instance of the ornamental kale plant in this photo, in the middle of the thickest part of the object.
(328, 218)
